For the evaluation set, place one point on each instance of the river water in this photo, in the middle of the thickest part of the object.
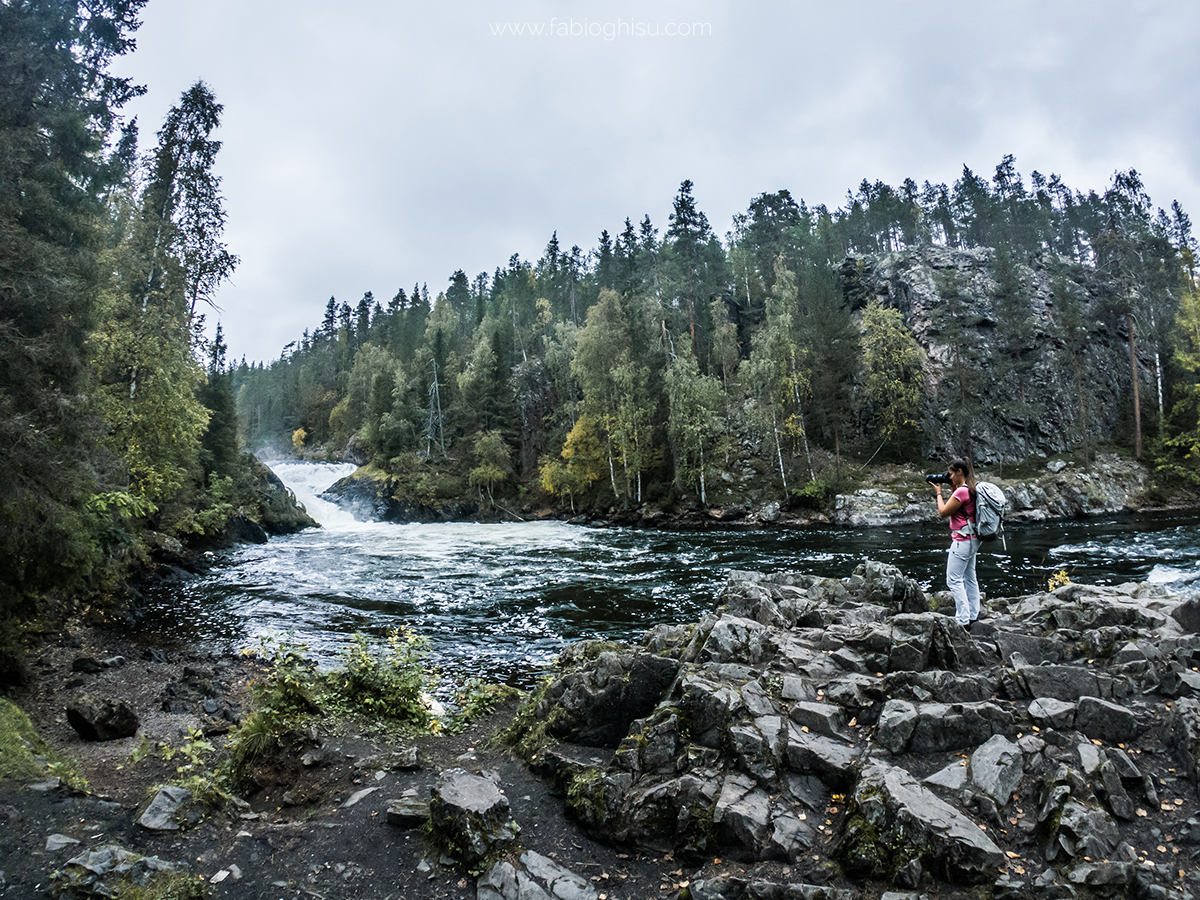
(499, 601)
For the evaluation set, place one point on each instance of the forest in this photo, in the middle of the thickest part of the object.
(118, 430)
(626, 373)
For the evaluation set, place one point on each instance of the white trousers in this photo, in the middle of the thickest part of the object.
(960, 579)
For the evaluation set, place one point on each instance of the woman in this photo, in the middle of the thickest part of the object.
(960, 565)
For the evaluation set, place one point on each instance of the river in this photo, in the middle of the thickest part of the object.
(499, 601)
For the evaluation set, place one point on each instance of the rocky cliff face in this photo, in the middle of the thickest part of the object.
(916, 283)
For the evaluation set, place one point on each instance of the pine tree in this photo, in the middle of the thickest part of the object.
(58, 107)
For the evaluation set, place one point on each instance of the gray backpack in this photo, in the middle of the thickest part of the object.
(989, 512)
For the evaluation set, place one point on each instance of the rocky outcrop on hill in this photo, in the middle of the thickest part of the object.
(375, 498)
(850, 729)
(917, 281)
(279, 512)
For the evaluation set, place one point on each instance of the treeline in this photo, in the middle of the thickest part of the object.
(624, 372)
(118, 429)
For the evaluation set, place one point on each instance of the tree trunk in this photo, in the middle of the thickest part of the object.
(1137, 403)
(779, 451)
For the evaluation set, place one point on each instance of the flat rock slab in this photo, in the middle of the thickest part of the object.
(1052, 713)
(534, 878)
(358, 796)
(830, 760)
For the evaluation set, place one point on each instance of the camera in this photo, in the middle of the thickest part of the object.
(939, 478)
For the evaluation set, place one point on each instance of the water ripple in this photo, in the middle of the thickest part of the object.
(500, 601)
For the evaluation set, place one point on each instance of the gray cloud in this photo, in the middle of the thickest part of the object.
(374, 144)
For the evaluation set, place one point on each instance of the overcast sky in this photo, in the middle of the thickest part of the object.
(371, 144)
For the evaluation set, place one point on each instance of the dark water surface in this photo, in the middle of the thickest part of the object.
(499, 601)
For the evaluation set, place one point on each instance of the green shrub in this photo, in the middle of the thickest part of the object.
(282, 701)
(814, 495)
(475, 700)
(22, 751)
(387, 679)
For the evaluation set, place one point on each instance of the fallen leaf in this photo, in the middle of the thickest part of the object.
(1019, 870)
(1097, 743)
(1012, 855)
(853, 722)
(804, 728)
(1013, 821)
(1142, 813)
(1161, 849)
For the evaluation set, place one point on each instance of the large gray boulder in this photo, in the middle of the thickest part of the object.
(1105, 721)
(1184, 736)
(101, 720)
(471, 815)
(996, 768)
(893, 820)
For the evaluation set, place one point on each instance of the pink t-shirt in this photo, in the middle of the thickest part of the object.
(966, 512)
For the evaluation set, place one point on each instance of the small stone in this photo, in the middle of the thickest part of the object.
(406, 759)
(357, 796)
(408, 812)
(161, 814)
(57, 842)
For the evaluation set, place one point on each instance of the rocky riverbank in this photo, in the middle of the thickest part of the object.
(851, 732)
(811, 737)
(888, 495)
